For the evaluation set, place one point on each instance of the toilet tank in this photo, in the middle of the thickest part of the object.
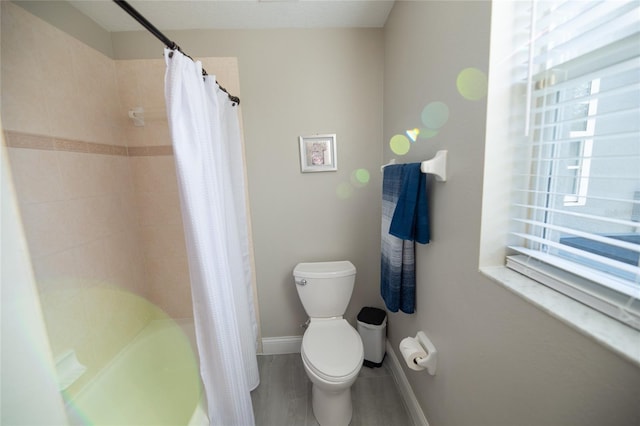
(325, 288)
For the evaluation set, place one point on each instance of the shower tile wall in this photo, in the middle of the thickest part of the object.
(67, 149)
(98, 195)
(141, 84)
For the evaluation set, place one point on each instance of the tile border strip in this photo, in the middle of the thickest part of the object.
(147, 151)
(25, 140)
(15, 139)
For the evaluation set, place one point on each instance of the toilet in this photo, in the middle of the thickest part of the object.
(332, 351)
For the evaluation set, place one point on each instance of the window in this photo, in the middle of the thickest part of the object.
(576, 206)
(577, 152)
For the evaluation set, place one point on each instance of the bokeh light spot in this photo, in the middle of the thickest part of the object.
(163, 343)
(399, 144)
(344, 190)
(428, 133)
(435, 115)
(472, 84)
(360, 177)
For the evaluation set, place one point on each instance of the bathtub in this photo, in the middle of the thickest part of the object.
(154, 380)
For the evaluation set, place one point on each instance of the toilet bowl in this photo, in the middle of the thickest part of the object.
(332, 355)
(332, 351)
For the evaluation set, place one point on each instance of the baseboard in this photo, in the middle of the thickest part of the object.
(410, 400)
(281, 345)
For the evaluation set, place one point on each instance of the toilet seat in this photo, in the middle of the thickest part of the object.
(332, 350)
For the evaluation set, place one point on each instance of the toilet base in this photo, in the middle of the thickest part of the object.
(332, 408)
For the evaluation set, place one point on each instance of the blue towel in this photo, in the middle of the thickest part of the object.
(397, 264)
(411, 216)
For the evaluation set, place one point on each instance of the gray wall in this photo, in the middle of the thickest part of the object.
(301, 82)
(501, 360)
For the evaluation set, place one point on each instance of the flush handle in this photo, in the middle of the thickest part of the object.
(302, 282)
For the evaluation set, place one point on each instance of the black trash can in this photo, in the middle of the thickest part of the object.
(372, 326)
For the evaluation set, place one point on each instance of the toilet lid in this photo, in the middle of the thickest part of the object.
(333, 349)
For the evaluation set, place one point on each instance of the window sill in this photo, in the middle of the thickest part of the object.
(621, 339)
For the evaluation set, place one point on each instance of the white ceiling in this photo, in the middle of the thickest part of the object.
(239, 14)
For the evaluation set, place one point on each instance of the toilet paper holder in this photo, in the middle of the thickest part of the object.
(430, 361)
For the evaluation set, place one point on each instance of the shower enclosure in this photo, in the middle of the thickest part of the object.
(98, 195)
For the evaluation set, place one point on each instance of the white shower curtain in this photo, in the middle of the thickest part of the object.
(210, 168)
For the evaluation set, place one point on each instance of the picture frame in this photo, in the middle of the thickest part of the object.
(318, 153)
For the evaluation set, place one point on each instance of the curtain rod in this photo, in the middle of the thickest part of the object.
(164, 39)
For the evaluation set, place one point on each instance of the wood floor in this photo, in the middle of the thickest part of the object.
(284, 395)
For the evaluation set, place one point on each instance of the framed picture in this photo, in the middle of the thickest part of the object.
(318, 153)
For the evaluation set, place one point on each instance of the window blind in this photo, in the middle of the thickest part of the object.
(576, 207)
